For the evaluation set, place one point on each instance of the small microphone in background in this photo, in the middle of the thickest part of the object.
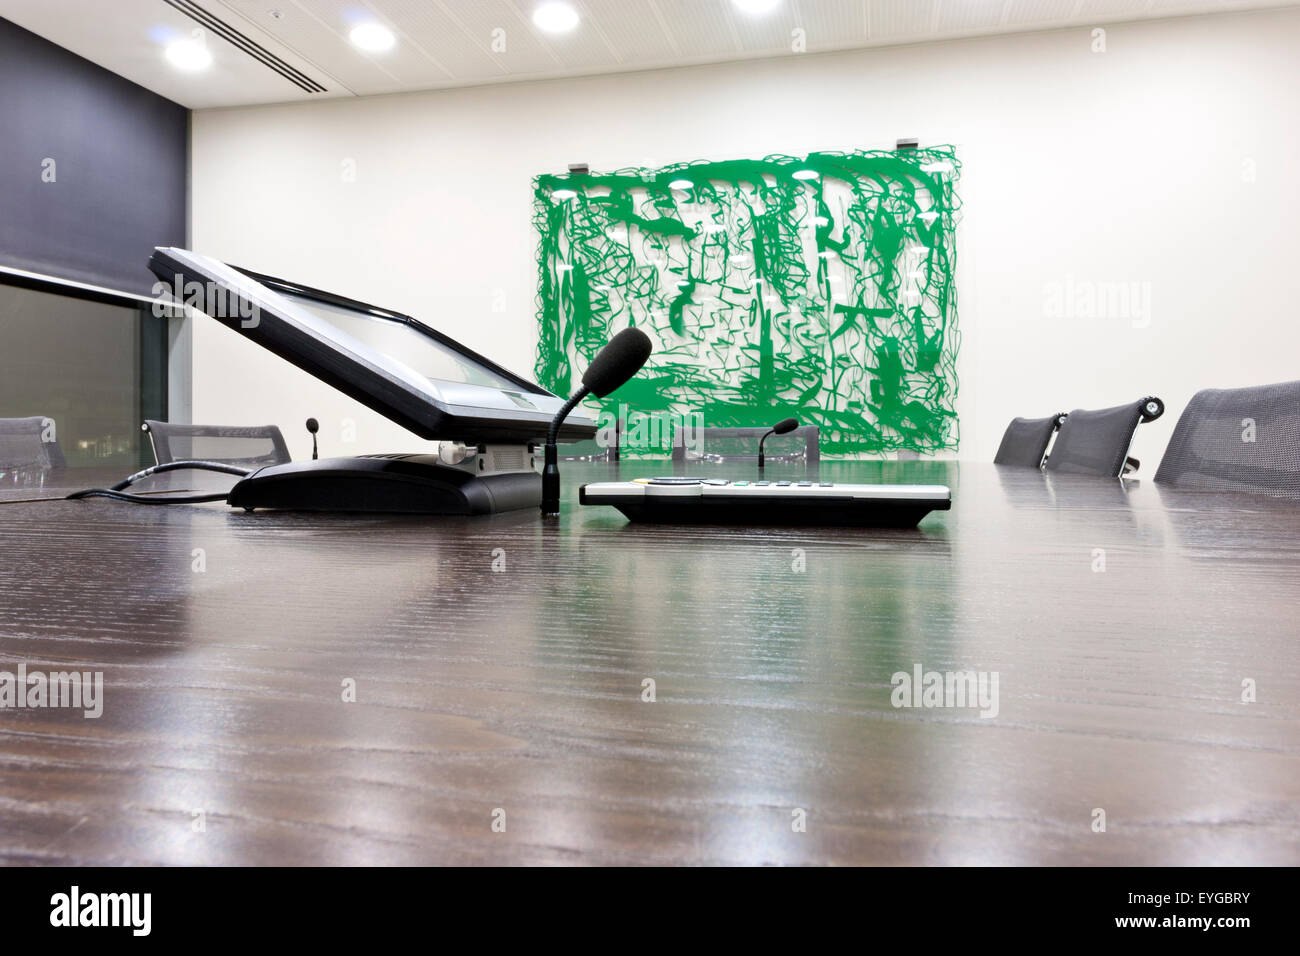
(313, 426)
(620, 359)
(783, 427)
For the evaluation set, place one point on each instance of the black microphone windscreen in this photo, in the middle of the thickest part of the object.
(620, 359)
(313, 426)
(785, 425)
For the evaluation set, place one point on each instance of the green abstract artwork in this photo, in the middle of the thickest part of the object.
(819, 287)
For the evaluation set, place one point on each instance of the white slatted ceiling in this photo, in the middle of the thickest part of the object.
(444, 43)
(633, 29)
(902, 19)
(701, 29)
(971, 15)
(827, 23)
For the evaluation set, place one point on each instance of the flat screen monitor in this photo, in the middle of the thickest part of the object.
(407, 371)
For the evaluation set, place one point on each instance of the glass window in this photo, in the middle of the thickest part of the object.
(91, 372)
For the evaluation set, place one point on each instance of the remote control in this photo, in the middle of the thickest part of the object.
(762, 503)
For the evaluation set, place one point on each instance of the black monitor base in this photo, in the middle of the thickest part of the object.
(385, 484)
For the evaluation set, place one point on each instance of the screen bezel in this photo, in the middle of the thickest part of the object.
(343, 302)
(371, 384)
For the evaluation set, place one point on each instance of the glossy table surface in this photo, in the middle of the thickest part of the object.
(500, 668)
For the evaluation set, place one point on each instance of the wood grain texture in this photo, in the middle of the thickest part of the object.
(521, 689)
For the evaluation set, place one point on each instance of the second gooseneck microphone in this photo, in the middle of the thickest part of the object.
(313, 426)
(783, 427)
(620, 359)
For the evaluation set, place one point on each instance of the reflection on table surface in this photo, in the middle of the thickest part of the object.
(502, 663)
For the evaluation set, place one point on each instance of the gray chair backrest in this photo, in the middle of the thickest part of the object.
(1237, 439)
(1096, 442)
(253, 446)
(1025, 441)
(741, 444)
(30, 443)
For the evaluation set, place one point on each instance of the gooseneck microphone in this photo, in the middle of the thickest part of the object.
(783, 427)
(313, 426)
(620, 359)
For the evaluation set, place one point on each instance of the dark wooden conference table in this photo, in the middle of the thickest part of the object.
(1125, 624)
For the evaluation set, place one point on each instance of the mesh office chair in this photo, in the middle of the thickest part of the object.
(1025, 441)
(251, 447)
(1096, 442)
(802, 445)
(23, 445)
(1237, 439)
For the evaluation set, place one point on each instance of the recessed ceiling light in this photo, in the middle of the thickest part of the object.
(372, 37)
(805, 174)
(563, 194)
(756, 8)
(681, 184)
(189, 55)
(555, 17)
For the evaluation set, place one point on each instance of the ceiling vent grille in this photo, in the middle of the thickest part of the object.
(257, 52)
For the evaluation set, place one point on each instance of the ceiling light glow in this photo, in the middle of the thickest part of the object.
(189, 55)
(756, 8)
(372, 37)
(555, 17)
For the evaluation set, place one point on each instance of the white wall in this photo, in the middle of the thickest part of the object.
(1170, 161)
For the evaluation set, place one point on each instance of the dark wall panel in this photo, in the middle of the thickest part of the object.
(119, 166)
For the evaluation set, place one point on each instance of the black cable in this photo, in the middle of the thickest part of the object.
(147, 499)
(118, 494)
(197, 464)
